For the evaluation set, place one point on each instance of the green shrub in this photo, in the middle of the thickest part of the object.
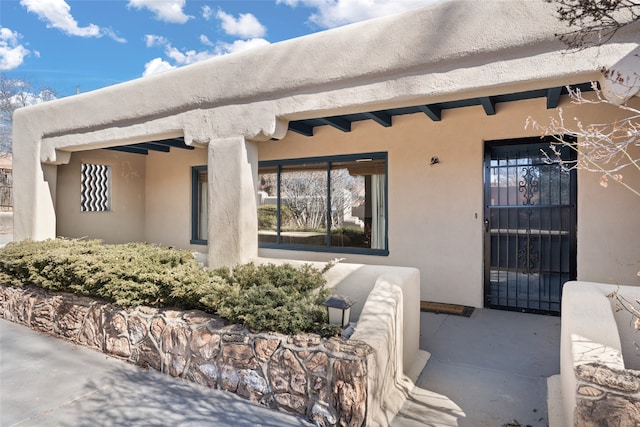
(262, 297)
(279, 298)
(267, 217)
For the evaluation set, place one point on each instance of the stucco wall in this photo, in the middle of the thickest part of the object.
(436, 212)
(608, 251)
(125, 221)
(151, 198)
(168, 197)
(435, 216)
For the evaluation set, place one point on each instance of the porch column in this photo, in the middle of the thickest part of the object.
(34, 214)
(233, 221)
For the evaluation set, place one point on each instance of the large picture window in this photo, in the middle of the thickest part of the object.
(199, 207)
(336, 204)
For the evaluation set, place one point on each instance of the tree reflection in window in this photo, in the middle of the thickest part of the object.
(337, 202)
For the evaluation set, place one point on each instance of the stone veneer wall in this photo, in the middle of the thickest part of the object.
(325, 380)
(607, 397)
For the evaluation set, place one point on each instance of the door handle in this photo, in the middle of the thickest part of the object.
(486, 225)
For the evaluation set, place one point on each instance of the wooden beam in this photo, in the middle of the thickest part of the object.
(434, 112)
(489, 105)
(553, 97)
(154, 147)
(174, 142)
(301, 128)
(129, 149)
(337, 122)
(381, 117)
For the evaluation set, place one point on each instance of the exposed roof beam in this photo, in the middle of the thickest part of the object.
(174, 142)
(129, 149)
(339, 123)
(489, 105)
(301, 128)
(381, 117)
(553, 97)
(153, 146)
(434, 112)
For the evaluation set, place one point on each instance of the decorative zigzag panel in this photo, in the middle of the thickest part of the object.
(95, 188)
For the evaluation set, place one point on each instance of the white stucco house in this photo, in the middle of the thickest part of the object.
(397, 141)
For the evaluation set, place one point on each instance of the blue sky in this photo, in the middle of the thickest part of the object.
(89, 44)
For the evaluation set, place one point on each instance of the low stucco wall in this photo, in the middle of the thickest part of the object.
(357, 281)
(597, 386)
(387, 312)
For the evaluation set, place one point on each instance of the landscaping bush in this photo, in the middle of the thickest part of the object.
(267, 217)
(279, 298)
(262, 297)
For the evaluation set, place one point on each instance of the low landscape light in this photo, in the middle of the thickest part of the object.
(339, 309)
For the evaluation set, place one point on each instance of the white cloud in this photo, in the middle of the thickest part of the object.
(205, 40)
(164, 10)
(246, 25)
(57, 14)
(153, 40)
(12, 53)
(332, 13)
(176, 57)
(207, 12)
(188, 56)
(112, 35)
(223, 48)
(179, 57)
(155, 66)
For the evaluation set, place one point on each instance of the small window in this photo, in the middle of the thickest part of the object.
(334, 204)
(95, 188)
(199, 207)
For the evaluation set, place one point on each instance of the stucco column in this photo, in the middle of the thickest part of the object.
(34, 214)
(233, 221)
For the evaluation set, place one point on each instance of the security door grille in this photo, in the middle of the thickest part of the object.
(530, 226)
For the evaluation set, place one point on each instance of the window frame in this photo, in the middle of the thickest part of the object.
(195, 196)
(279, 164)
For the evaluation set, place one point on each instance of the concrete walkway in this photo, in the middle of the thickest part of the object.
(46, 381)
(486, 370)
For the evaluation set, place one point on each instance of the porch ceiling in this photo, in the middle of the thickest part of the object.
(433, 111)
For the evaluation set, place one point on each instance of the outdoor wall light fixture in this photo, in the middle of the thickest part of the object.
(339, 309)
(434, 160)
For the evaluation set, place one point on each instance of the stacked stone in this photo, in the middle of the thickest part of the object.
(324, 380)
(607, 397)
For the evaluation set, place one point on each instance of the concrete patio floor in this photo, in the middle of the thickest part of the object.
(487, 370)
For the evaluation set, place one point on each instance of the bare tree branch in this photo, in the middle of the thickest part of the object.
(605, 148)
(597, 20)
(14, 94)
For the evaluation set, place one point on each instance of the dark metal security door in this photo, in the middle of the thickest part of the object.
(530, 226)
